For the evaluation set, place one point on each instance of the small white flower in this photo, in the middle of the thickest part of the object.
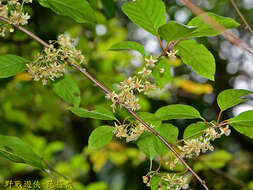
(111, 95)
(150, 62)
(4, 11)
(28, 1)
(161, 70)
(24, 18)
(145, 72)
(225, 130)
(172, 54)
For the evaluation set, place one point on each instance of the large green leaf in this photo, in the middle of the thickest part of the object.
(16, 150)
(194, 128)
(146, 145)
(150, 118)
(100, 137)
(205, 29)
(109, 7)
(68, 90)
(157, 181)
(177, 111)
(172, 31)
(229, 98)
(170, 133)
(99, 113)
(148, 14)
(164, 77)
(198, 57)
(243, 123)
(129, 45)
(79, 10)
(11, 65)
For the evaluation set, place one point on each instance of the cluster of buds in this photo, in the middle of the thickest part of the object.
(12, 10)
(193, 147)
(131, 131)
(146, 179)
(51, 62)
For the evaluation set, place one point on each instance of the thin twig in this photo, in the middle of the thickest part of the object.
(231, 178)
(201, 132)
(160, 42)
(151, 165)
(159, 167)
(244, 165)
(247, 26)
(219, 117)
(107, 91)
(55, 171)
(195, 134)
(218, 27)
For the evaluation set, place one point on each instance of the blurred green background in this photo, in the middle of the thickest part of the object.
(35, 114)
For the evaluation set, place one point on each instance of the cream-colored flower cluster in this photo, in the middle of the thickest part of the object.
(130, 86)
(51, 62)
(193, 147)
(13, 10)
(167, 181)
(175, 182)
(131, 131)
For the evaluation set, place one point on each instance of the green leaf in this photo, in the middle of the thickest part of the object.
(150, 118)
(99, 113)
(109, 8)
(250, 186)
(11, 65)
(129, 45)
(100, 137)
(205, 29)
(68, 90)
(177, 111)
(170, 133)
(79, 10)
(174, 30)
(95, 186)
(243, 123)
(198, 57)
(155, 182)
(164, 77)
(217, 159)
(194, 128)
(15, 150)
(229, 98)
(147, 14)
(146, 145)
